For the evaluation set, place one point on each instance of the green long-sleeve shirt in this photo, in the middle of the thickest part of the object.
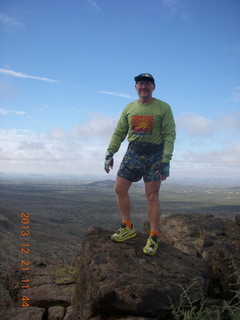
(151, 122)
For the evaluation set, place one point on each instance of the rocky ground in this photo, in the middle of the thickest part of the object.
(198, 254)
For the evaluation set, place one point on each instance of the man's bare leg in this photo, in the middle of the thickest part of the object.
(123, 200)
(154, 208)
(154, 212)
(127, 230)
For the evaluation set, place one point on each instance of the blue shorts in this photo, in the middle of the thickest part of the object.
(135, 166)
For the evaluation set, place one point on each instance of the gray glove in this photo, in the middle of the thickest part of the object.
(163, 168)
(108, 161)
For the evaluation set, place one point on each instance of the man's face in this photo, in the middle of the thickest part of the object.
(145, 89)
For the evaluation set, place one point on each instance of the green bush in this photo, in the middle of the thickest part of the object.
(208, 309)
(232, 307)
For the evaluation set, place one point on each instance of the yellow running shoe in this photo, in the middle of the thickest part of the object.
(124, 233)
(151, 246)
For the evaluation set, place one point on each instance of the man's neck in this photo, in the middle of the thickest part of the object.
(145, 100)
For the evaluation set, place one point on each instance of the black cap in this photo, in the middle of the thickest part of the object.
(144, 77)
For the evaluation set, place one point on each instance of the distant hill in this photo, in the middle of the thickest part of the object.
(102, 184)
(109, 184)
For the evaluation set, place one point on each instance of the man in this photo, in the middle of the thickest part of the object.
(150, 127)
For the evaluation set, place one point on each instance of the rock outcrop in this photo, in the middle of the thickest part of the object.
(50, 288)
(116, 281)
(217, 241)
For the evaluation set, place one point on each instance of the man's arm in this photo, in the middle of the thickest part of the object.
(119, 134)
(169, 135)
(117, 138)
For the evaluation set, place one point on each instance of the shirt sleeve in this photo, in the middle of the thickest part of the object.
(169, 134)
(119, 133)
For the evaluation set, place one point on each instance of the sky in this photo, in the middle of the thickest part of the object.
(67, 70)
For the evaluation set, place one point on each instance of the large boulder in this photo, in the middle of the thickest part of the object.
(117, 279)
(215, 240)
(9, 311)
(237, 219)
(51, 283)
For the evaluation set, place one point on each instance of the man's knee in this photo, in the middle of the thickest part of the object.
(152, 196)
(122, 185)
(119, 189)
(152, 191)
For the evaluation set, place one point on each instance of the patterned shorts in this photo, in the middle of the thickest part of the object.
(135, 166)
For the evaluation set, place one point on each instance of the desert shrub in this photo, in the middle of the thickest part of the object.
(208, 309)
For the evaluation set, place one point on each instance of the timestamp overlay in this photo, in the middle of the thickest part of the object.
(25, 263)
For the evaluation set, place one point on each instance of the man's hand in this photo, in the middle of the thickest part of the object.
(108, 161)
(163, 169)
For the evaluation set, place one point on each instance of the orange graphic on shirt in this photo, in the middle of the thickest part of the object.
(142, 125)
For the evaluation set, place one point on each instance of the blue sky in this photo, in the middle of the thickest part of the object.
(67, 69)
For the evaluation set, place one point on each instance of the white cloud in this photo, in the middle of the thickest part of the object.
(26, 150)
(229, 122)
(235, 95)
(195, 124)
(5, 112)
(7, 91)
(59, 134)
(9, 22)
(58, 151)
(176, 8)
(81, 151)
(25, 76)
(207, 148)
(94, 5)
(198, 126)
(122, 95)
(227, 156)
(169, 2)
(221, 162)
(99, 126)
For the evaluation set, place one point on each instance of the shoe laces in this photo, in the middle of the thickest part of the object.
(123, 226)
(154, 241)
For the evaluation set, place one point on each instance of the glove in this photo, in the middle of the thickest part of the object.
(108, 161)
(163, 168)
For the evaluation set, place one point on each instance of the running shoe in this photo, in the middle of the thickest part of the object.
(151, 246)
(124, 233)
